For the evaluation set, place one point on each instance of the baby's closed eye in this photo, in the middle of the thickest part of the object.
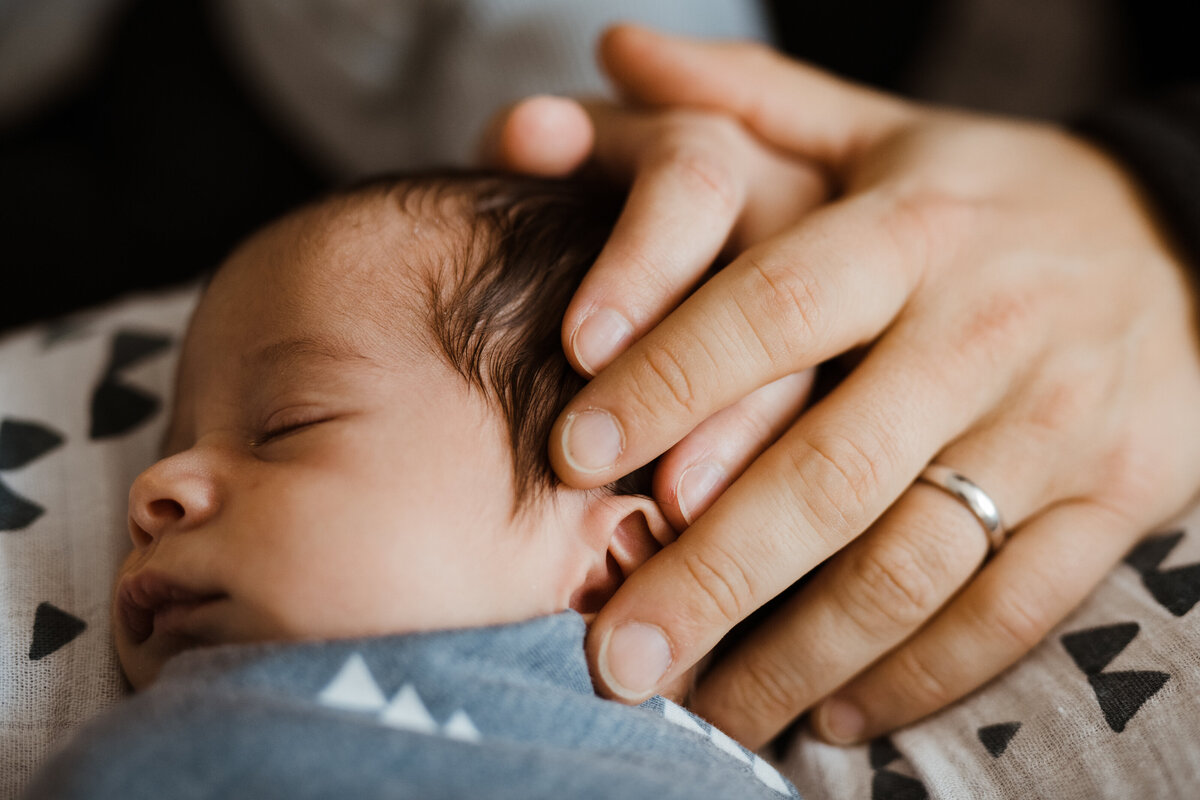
(290, 420)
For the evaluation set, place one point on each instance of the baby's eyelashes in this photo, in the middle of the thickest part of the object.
(282, 424)
(279, 433)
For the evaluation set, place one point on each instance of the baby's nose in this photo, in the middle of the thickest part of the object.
(173, 495)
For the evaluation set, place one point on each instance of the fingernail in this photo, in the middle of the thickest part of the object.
(599, 338)
(841, 722)
(634, 660)
(696, 486)
(592, 440)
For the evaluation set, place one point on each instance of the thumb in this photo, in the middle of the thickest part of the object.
(789, 104)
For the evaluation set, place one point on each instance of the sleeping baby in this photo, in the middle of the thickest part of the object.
(354, 573)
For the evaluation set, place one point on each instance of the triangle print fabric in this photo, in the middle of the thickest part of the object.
(888, 783)
(63, 505)
(1176, 589)
(1120, 694)
(354, 689)
(996, 738)
(1107, 706)
(21, 443)
(16, 512)
(759, 767)
(1095, 648)
(52, 628)
(118, 407)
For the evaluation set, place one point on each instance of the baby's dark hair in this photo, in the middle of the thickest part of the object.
(495, 309)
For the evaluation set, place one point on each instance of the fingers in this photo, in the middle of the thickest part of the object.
(694, 472)
(791, 105)
(837, 469)
(1032, 583)
(543, 135)
(696, 178)
(876, 592)
(689, 175)
(833, 282)
(688, 191)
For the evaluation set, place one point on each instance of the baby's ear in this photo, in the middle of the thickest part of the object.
(623, 532)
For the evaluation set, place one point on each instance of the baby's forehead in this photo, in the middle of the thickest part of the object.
(355, 268)
(384, 236)
(368, 257)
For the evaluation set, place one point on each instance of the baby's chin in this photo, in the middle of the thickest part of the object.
(143, 662)
(143, 654)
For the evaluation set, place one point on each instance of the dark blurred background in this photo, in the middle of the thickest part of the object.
(154, 158)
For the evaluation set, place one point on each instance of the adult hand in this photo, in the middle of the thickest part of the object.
(699, 182)
(1028, 326)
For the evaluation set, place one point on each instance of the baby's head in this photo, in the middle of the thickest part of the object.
(358, 439)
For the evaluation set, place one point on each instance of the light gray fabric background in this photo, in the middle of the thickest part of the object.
(69, 554)
(1064, 748)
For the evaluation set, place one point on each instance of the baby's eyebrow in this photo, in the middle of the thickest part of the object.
(286, 351)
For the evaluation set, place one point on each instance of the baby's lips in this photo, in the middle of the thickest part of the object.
(138, 622)
(146, 594)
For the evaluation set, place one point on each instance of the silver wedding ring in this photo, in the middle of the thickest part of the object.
(970, 495)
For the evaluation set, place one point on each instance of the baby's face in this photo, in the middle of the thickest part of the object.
(327, 474)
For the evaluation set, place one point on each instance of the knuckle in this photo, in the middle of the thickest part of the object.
(995, 327)
(757, 425)
(922, 685)
(840, 475)
(706, 128)
(645, 274)
(893, 588)
(928, 223)
(788, 298)
(700, 170)
(1020, 619)
(1058, 405)
(665, 370)
(764, 692)
(723, 585)
(907, 226)
(758, 107)
(1130, 474)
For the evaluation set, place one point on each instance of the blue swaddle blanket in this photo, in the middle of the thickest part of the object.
(498, 712)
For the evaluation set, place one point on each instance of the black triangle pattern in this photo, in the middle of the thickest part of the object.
(1152, 551)
(1177, 589)
(130, 347)
(1122, 693)
(888, 784)
(15, 511)
(22, 442)
(882, 752)
(996, 738)
(53, 628)
(118, 408)
(1095, 648)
